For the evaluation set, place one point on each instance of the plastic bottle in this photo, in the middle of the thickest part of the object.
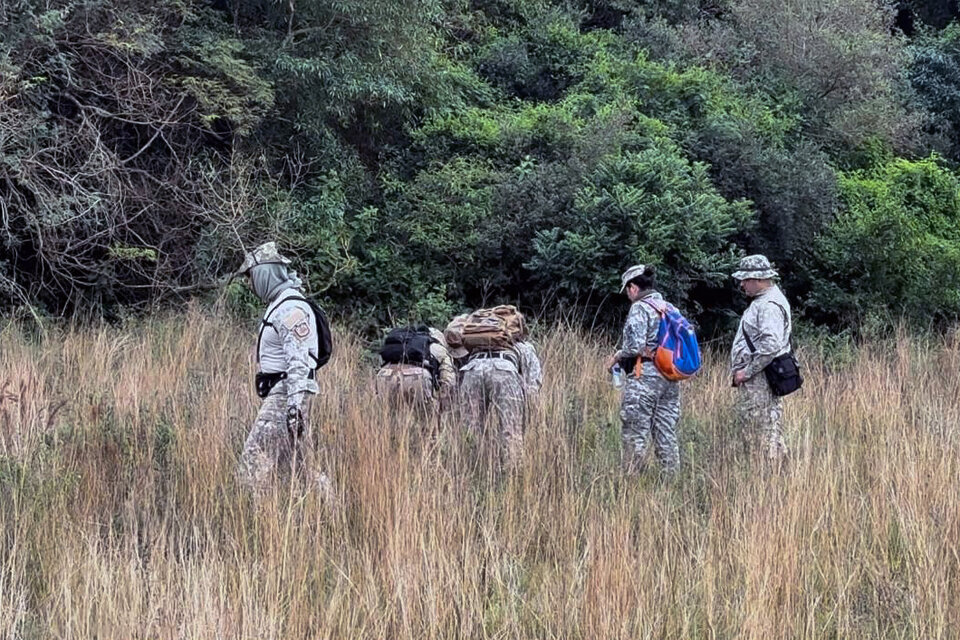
(617, 374)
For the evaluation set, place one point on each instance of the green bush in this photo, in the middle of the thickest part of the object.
(648, 206)
(895, 247)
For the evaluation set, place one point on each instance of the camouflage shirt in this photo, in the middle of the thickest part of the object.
(447, 375)
(530, 369)
(288, 338)
(641, 327)
(767, 322)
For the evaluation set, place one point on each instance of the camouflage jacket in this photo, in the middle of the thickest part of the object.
(288, 337)
(640, 331)
(530, 369)
(768, 323)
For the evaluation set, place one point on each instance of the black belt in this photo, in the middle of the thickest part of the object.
(628, 363)
(264, 382)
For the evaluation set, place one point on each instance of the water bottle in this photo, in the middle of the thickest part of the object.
(617, 374)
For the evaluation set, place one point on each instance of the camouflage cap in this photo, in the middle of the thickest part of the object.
(755, 267)
(437, 335)
(266, 253)
(630, 274)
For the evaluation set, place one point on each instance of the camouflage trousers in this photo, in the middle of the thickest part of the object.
(271, 449)
(489, 386)
(650, 409)
(761, 418)
(405, 384)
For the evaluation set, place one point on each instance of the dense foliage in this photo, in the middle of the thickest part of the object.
(422, 155)
(903, 218)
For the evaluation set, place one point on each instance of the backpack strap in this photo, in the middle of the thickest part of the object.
(265, 323)
(746, 336)
(432, 362)
(660, 306)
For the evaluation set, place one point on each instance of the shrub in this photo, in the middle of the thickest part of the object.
(895, 247)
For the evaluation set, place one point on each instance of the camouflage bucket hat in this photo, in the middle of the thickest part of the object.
(264, 254)
(755, 267)
(630, 274)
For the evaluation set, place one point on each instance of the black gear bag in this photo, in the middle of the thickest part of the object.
(783, 372)
(411, 345)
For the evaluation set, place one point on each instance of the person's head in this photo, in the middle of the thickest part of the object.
(755, 275)
(752, 287)
(638, 279)
(454, 336)
(266, 271)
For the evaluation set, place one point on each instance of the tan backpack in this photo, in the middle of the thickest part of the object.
(490, 329)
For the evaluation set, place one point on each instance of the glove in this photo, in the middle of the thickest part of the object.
(294, 422)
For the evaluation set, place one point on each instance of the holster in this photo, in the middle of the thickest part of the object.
(267, 381)
(633, 365)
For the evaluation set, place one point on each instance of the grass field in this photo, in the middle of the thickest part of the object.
(122, 517)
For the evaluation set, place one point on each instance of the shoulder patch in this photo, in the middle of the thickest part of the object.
(298, 323)
(302, 330)
(294, 318)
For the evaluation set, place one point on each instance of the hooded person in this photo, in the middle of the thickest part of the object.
(287, 357)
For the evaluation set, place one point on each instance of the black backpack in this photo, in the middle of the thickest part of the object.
(324, 337)
(411, 345)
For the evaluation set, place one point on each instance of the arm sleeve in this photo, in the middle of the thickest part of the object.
(767, 337)
(448, 373)
(634, 333)
(532, 371)
(295, 328)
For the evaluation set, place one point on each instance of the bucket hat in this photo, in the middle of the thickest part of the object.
(755, 267)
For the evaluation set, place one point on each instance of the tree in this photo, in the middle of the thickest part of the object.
(115, 147)
(935, 75)
(841, 58)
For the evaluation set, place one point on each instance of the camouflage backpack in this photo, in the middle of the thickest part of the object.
(491, 329)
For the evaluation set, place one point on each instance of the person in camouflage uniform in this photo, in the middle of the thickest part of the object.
(767, 324)
(500, 381)
(650, 406)
(414, 385)
(281, 437)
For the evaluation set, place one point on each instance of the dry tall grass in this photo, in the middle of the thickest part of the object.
(122, 518)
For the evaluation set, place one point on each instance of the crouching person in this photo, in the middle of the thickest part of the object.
(494, 379)
(417, 369)
(292, 343)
